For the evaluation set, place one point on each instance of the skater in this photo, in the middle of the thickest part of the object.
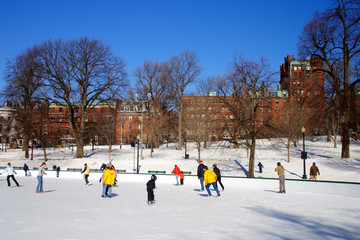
(39, 187)
(176, 171)
(103, 167)
(260, 167)
(57, 171)
(210, 179)
(182, 178)
(281, 172)
(108, 181)
(113, 168)
(26, 169)
(314, 171)
(10, 174)
(200, 174)
(150, 187)
(86, 170)
(218, 175)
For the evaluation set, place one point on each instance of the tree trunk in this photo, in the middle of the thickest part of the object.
(199, 150)
(345, 150)
(45, 154)
(251, 173)
(180, 130)
(79, 148)
(288, 150)
(26, 139)
(110, 147)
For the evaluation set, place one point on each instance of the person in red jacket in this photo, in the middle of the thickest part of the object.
(176, 171)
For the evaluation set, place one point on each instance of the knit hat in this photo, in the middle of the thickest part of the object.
(314, 163)
(200, 161)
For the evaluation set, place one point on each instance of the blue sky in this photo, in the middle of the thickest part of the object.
(159, 29)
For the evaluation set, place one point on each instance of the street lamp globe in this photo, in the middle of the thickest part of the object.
(303, 130)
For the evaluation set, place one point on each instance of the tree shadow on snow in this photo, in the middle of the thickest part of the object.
(49, 191)
(273, 191)
(292, 173)
(88, 155)
(242, 168)
(308, 224)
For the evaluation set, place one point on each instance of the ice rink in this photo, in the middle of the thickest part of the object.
(70, 210)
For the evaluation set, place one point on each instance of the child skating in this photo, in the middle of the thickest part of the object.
(150, 187)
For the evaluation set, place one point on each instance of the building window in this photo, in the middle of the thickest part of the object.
(130, 126)
(277, 109)
(60, 109)
(277, 100)
(130, 118)
(122, 126)
(295, 68)
(269, 109)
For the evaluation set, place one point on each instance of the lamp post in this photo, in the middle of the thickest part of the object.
(142, 118)
(137, 166)
(303, 153)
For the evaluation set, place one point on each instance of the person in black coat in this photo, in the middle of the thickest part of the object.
(218, 175)
(200, 174)
(103, 166)
(150, 187)
(26, 169)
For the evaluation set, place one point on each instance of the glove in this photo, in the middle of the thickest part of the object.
(100, 180)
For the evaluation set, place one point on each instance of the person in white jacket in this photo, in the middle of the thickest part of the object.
(10, 174)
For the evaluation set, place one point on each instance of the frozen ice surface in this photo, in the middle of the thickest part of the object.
(71, 210)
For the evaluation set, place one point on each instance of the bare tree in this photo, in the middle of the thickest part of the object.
(23, 87)
(105, 127)
(151, 78)
(183, 70)
(81, 73)
(246, 83)
(334, 37)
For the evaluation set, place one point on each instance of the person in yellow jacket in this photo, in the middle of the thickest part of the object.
(86, 170)
(210, 179)
(108, 180)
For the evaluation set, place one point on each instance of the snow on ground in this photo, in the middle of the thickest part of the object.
(232, 162)
(245, 210)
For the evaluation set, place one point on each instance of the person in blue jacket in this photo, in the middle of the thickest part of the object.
(10, 174)
(57, 171)
(260, 167)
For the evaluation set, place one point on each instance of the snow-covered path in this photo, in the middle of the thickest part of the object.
(71, 210)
